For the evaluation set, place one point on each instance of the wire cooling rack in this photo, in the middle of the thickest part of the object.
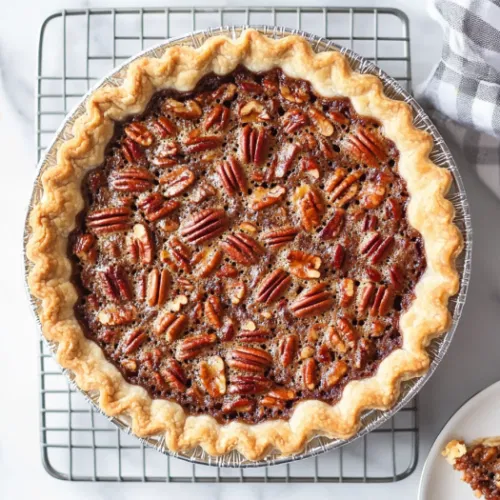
(76, 48)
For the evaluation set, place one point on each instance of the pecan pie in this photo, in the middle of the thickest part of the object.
(244, 246)
(479, 464)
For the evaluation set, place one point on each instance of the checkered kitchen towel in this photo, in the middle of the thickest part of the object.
(463, 91)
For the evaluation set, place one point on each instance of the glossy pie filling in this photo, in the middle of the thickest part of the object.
(245, 247)
(481, 470)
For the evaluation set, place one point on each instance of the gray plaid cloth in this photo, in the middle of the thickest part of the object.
(462, 93)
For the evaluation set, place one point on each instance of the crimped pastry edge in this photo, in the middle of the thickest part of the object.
(181, 67)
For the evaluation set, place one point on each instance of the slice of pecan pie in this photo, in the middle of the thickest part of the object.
(244, 246)
(479, 463)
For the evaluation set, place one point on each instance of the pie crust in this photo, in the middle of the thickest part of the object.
(180, 68)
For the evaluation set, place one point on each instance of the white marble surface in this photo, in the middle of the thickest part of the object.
(471, 364)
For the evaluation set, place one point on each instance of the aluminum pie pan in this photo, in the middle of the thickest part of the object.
(440, 155)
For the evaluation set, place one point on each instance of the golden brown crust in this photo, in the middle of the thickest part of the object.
(181, 68)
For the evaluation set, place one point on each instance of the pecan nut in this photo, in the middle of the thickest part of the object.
(157, 287)
(309, 374)
(139, 133)
(132, 180)
(293, 120)
(209, 263)
(375, 247)
(205, 225)
(311, 206)
(174, 376)
(242, 405)
(109, 220)
(273, 286)
(131, 151)
(346, 190)
(396, 276)
(213, 377)
(242, 249)
(313, 301)
(236, 290)
(170, 324)
(115, 284)
(140, 245)
(304, 265)
(156, 207)
(249, 384)
(197, 143)
(164, 127)
(250, 359)
(253, 111)
(365, 147)
(85, 247)
(320, 121)
(181, 253)
(372, 195)
(347, 332)
(334, 225)
(177, 181)
(232, 176)
(253, 145)
(258, 336)
(335, 374)
(218, 118)
(135, 339)
(189, 110)
(347, 292)
(288, 349)
(285, 160)
(263, 198)
(113, 315)
(213, 311)
(280, 237)
(191, 347)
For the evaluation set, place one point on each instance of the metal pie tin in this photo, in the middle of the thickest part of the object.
(440, 155)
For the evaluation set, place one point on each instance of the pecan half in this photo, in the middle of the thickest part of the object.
(285, 159)
(309, 375)
(156, 207)
(190, 347)
(181, 253)
(347, 292)
(338, 256)
(365, 296)
(375, 247)
(253, 144)
(85, 247)
(166, 155)
(253, 111)
(396, 276)
(295, 91)
(170, 324)
(224, 93)
(139, 133)
(196, 143)
(131, 151)
(205, 225)
(242, 249)
(335, 342)
(293, 120)
(334, 225)
(174, 376)
(347, 189)
(242, 405)
(335, 374)
(209, 263)
(320, 121)
(132, 180)
(259, 336)
(311, 206)
(304, 265)
(113, 315)
(312, 301)
(177, 181)
(277, 397)
(279, 237)
(394, 209)
(109, 220)
(273, 286)
(164, 127)
(189, 110)
(213, 311)
(250, 359)
(365, 352)
(249, 384)
(157, 287)
(140, 245)
(311, 167)
(382, 301)
(213, 377)
(370, 223)
(365, 147)
(202, 192)
(349, 335)
(288, 349)
(373, 274)
(135, 339)
(115, 284)
(263, 198)
(372, 195)
(232, 176)
(218, 118)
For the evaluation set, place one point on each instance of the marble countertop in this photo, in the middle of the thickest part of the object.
(470, 365)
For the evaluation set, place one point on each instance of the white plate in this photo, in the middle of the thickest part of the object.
(478, 417)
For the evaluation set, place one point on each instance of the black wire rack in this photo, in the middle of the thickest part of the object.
(76, 48)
